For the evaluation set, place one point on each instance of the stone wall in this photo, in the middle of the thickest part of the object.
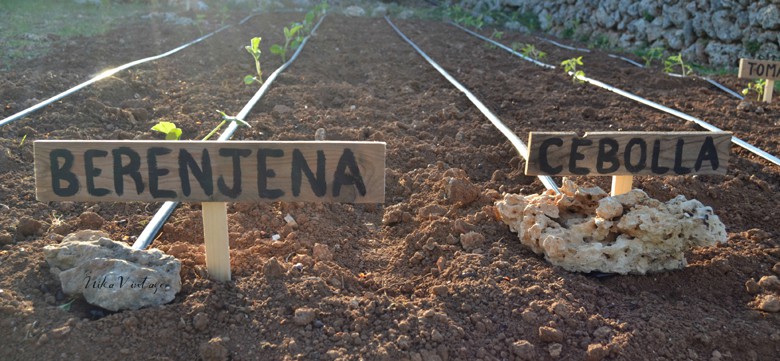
(714, 32)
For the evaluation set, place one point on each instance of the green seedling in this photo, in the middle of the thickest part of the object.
(757, 86)
(254, 49)
(225, 119)
(290, 40)
(23, 139)
(677, 60)
(570, 67)
(173, 133)
(652, 54)
(308, 22)
(66, 306)
(169, 129)
(530, 51)
(497, 35)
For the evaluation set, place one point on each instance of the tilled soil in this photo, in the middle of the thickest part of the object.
(394, 282)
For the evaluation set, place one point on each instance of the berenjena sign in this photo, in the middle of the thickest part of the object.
(350, 172)
(628, 153)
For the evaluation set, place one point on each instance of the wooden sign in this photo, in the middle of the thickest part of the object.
(628, 153)
(761, 69)
(235, 171)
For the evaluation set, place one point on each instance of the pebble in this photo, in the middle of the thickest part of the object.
(200, 321)
(272, 269)
(524, 350)
(440, 290)
(29, 227)
(6, 238)
(769, 303)
(319, 134)
(770, 283)
(472, 240)
(596, 352)
(461, 191)
(321, 252)
(555, 350)
(550, 334)
(304, 316)
(214, 350)
(90, 220)
(775, 268)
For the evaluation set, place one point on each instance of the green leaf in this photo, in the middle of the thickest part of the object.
(295, 29)
(277, 49)
(256, 44)
(174, 134)
(295, 43)
(164, 127)
(249, 79)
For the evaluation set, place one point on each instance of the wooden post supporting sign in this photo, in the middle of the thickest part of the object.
(626, 154)
(212, 173)
(761, 69)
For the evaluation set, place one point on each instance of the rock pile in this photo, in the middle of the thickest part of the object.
(717, 33)
(585, 230)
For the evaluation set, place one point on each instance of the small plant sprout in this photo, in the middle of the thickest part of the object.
(530, 51)
(290, 39)
(169, 129)
(757, 86)
(497, 35)
(652, 54)
(677, 60)
(66, 306)
(225, 119)
(23, 139)
(308, 22)
(570, 67)
(254, 49)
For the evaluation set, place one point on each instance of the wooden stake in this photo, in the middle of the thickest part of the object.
(215, 233)
(768, 89)
(621, 184)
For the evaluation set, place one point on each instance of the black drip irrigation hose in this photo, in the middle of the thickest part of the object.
(110, 72)
(751, 148)
(547, 181)
(155, 224)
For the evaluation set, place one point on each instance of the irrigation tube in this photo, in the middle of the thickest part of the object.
(104, 75)
(502, 46)
(548, 182)
(155, 224)
(751, 148)
(682, 115)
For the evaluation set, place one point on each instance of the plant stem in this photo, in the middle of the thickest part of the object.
(214, 130)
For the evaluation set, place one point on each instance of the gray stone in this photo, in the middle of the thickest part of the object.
(605, 17)
(112, 275)
(354, 10)
(721, 54)
(380, 10)
(674, 39)
(676, 14)
(769, 17)
(725, 26)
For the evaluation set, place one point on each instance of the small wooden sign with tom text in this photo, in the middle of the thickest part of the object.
(761, 69)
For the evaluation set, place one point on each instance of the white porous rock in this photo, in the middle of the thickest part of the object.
(111, 274)
(585, 230)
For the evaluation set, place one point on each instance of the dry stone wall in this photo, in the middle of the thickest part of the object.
(714, 32)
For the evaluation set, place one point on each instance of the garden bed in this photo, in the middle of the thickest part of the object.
(392, 283)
